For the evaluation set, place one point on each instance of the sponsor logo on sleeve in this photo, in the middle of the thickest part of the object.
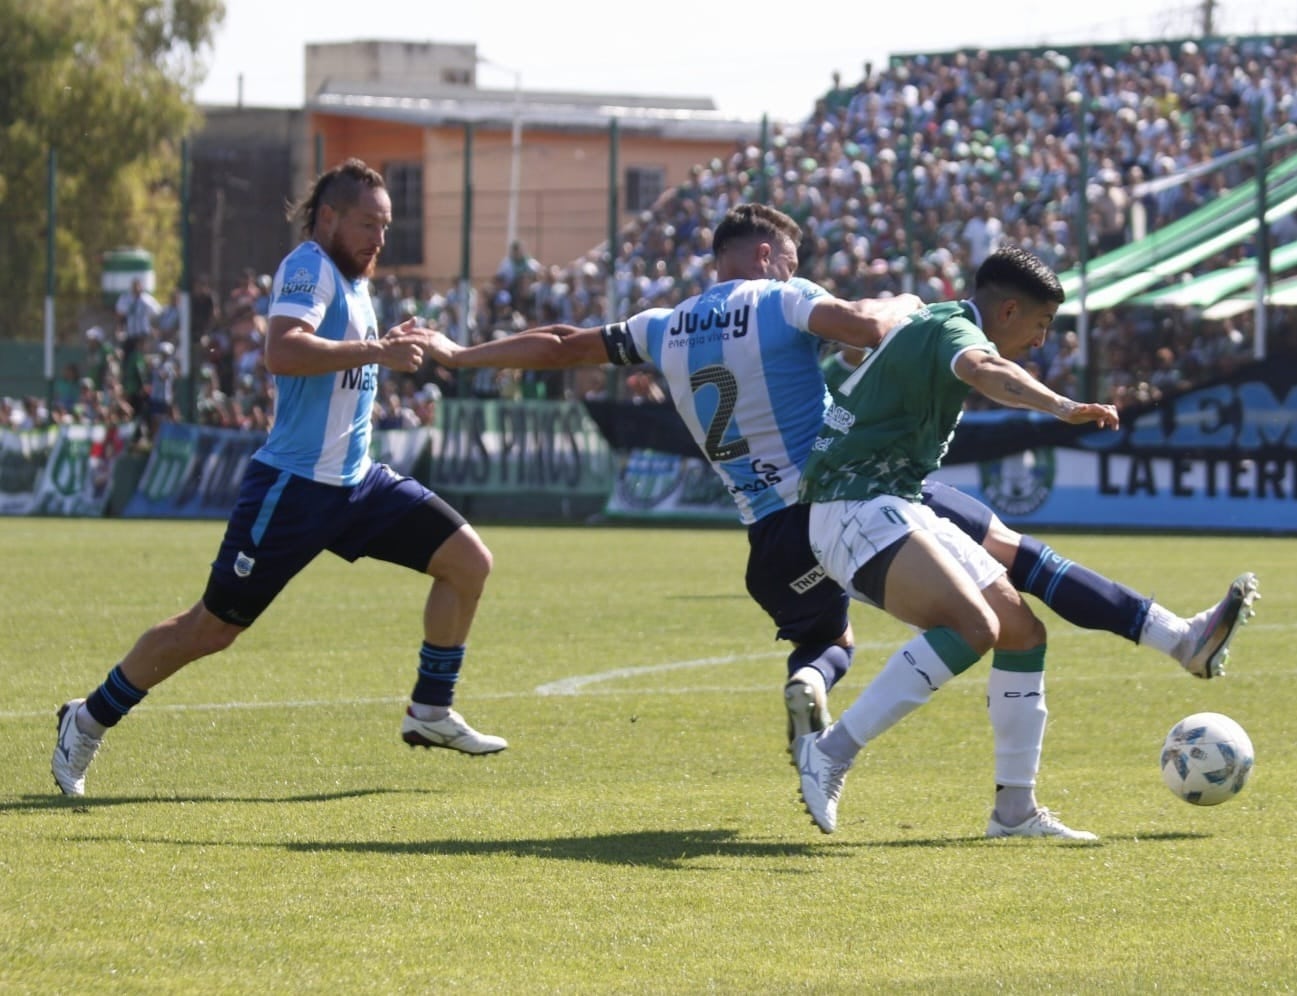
(301, 282)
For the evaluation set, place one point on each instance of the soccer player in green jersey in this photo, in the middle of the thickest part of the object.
(888, 428)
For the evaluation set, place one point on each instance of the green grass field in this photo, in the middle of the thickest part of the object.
(257, 826)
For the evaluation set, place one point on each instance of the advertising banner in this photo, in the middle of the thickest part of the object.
(1220, 457)
(665, 486)
(23, 455)
(518, 447)
(193, 473)
(478, 447)
(78, 476)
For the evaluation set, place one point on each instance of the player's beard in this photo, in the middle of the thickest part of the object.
(351, 265)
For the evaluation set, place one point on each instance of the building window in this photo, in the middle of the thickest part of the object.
(405, 237)
(643, 186)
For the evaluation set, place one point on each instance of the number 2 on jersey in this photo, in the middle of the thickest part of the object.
(727, 388)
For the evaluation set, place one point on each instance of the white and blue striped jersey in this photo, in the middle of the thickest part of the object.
(322, 423)
(743, 372)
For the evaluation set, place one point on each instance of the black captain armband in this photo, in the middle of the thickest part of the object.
(620, 346)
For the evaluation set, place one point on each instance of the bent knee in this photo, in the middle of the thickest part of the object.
(981, 631)
(1021, 632)
(207, 633)
(463, 561)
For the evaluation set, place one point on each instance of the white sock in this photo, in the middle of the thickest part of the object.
(906, 682)
(428, 713)
(1163, 630)
(1016, 704)
(87, 723)
(838, 744)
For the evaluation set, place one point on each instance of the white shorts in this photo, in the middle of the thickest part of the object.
(846, 535)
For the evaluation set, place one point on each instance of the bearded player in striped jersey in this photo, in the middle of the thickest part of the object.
(312, 487)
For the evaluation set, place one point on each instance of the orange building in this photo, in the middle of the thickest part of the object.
(539, 163)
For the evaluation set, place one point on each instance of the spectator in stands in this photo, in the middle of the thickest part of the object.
(426, 400)
(982, 234)
(243, 295)
(1110, 204)
(517, 270)
(137, 313)
(203, 312)
(67, 386)
(164, 371)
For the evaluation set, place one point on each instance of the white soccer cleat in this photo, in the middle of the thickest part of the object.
(807, 702)
(453, 733)
(1205, 651)
(73, 751)
(1042, 823)
(821, 781)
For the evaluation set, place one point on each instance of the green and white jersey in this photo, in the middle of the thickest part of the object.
(892, 418)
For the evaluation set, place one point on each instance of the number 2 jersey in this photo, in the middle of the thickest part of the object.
(743, 372)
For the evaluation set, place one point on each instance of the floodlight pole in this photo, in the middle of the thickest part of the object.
(1260, 319)
(515, 153)
(1083, 243)
(515, 160)
(51, 232)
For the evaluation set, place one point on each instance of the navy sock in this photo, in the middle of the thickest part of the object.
(831, 660)
(1076, 593)
(438, 672)
(113, 699)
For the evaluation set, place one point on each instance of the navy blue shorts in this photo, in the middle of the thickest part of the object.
(967, 513)
(281, 522)
(787, 581)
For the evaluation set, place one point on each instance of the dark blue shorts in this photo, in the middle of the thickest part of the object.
(281, 522)
(967, 513)
(787, 581)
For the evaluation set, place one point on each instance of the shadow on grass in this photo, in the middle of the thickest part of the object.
(54, 802)
(646, 848)
(1137, 838)
(668, 849)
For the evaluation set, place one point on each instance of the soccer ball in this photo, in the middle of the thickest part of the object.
(1206, 759)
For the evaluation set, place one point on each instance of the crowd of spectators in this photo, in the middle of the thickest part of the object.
(903, 180)
(908, 178)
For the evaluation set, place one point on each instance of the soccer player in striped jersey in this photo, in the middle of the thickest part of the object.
(741, 363)
(312, 487)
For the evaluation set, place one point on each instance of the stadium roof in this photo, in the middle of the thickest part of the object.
(1128, 272)
(670, 117)
(1206, 290)
(1281, 295)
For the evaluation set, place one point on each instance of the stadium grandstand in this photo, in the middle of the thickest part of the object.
(905, 180)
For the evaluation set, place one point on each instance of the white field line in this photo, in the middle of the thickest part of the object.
(584, 684)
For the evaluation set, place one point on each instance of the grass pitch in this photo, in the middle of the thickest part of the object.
(257, 826)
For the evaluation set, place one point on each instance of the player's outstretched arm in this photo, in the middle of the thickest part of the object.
(551, 347)
(861, 324)
(1004, 381)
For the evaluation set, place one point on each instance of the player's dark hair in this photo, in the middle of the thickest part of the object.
(748, 221)
(1012, 271)
(339, 188)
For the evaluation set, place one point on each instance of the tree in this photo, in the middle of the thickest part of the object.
(109, 85)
